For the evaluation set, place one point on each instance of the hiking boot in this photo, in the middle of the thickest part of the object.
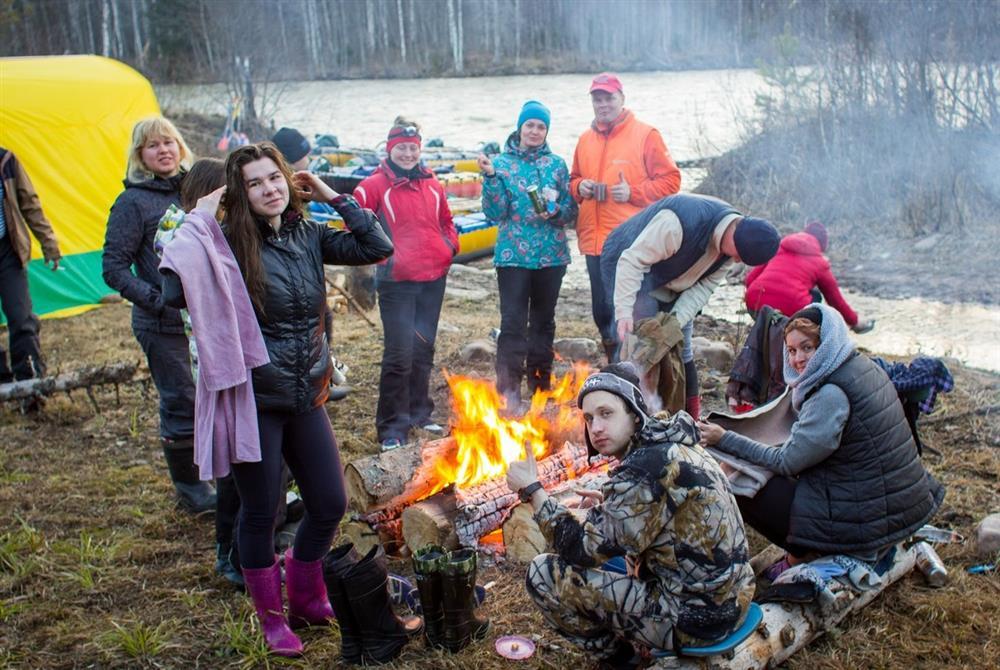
(308, 603)
(225, 566)
(427, 564)
(193, 495)
(336, 564)
(383, 634)
(458, 597)
(264, 587)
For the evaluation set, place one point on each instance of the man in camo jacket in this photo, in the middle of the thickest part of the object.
(667, 509)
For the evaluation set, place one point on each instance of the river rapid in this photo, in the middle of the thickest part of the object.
(700, 114)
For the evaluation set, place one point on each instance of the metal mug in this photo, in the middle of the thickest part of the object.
(600, 192)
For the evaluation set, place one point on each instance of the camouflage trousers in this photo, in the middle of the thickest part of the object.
(592, 608)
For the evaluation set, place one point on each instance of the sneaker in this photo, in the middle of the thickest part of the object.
(390, 444)
(432, 427)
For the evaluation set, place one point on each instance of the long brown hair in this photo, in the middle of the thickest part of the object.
(243, 227)
(206, 175)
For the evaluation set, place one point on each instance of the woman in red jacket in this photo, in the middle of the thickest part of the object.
(788, 282)
(414, 212)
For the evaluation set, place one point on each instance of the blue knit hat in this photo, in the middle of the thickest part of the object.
(534, 110)
(756, 240)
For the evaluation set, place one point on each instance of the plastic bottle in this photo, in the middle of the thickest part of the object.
(930, 564)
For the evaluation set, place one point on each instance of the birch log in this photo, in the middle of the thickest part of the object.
(115, 373)
(789, 627)
(393, 479)
(521, 535)
(454, 518)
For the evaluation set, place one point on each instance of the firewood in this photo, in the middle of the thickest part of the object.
(789, 627)
(430, 521)
(391, 480)
(521, 535)
(396, 478)
(362, 535)
(85, 378)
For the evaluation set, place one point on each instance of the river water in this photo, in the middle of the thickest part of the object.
(700, 114)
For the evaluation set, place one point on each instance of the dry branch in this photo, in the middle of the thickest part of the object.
(85, 378)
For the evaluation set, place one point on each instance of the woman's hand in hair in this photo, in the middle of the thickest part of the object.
(710, 433)
(211, 203)
(312, 188)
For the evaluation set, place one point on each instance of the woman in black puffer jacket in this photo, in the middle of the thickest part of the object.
(281, 256)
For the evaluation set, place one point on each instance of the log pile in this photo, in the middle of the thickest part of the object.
(398, 493)
(454, 518)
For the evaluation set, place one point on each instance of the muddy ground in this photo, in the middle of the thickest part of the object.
(97, 568)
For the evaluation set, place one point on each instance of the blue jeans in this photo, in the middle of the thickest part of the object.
(410, 312)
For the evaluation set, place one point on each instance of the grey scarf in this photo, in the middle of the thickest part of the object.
(835, 347)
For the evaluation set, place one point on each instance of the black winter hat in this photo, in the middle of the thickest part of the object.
(292, 144)
(630, 394)
(756, 240)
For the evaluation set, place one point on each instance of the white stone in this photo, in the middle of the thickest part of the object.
(575, 348)
(988, 536)
(717, 355)
(478, 350)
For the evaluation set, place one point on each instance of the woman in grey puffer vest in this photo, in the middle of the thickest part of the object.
(848, 480)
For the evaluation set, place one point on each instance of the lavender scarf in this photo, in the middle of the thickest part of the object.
(835, 347)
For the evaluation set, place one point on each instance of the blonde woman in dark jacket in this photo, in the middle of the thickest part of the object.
(157, 161)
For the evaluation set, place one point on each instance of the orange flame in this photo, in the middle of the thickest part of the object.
(487, 441)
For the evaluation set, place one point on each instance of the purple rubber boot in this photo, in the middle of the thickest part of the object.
(308, 603)
(264, 587)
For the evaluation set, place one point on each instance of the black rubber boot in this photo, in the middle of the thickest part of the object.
(336, 564)
(427, 565)
(458, 582)
(383, 634)
(193, 495)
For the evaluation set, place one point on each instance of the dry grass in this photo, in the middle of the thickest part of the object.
(97, 569)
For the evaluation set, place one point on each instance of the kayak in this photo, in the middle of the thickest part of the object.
(476, 234)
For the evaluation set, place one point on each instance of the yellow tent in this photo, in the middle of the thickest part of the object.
(69, 121)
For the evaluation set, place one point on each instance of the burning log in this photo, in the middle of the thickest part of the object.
(393, 479)
(454, 518)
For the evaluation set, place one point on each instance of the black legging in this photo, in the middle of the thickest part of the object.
(310, 449)
(768, 513)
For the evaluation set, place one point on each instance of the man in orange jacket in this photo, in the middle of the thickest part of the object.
(620, 166)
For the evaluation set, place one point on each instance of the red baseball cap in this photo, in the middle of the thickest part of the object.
(606, 82)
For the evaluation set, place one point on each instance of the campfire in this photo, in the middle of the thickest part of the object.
(452, 491)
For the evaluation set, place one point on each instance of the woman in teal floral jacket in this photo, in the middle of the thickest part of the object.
(531, 252)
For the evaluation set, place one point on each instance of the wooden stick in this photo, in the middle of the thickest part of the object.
(355, 305)
(85, 378)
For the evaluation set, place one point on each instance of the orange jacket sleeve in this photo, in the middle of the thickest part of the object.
(663, 177)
